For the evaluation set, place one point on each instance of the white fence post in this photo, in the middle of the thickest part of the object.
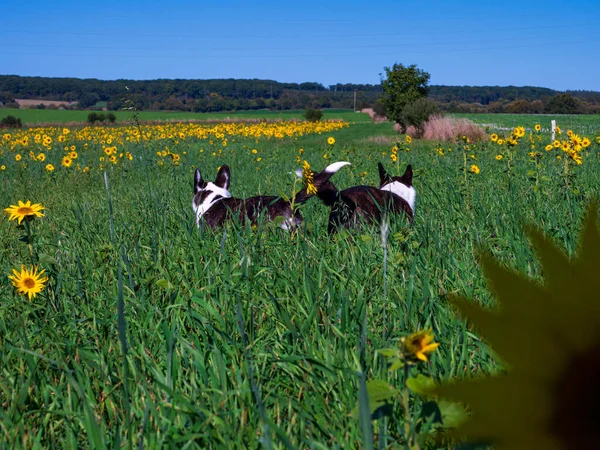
(553, 130)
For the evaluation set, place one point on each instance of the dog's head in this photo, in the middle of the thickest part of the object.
(207, 193)
(400, 186)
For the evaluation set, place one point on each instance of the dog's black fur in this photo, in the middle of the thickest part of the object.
(365, 204)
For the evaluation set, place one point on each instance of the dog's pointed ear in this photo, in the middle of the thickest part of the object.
(223, 177)
(197, 181)
(408, 176)
(383, 175)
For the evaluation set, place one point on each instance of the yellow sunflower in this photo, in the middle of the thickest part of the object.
(537, 127)
(419, 345)
(28, 282)
(308, 178)
(549, 147)
(66, 161)
(549, 336)
(408, 139)
(49, 167)
(330, 140)
(24, 211)
(493, 137)
(586, 142)
(474, 169)
(499, 157)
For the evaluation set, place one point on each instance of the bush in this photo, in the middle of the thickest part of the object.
(379, 108)
(11, 122)
(92, 117)
(415, 114)
(313, 115)
(111, 117)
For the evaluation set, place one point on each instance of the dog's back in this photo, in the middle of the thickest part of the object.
(368, 204)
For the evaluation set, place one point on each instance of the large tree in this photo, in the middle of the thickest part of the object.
(402, 85)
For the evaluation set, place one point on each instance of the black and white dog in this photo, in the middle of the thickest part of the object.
(214, 204)
(369, 204)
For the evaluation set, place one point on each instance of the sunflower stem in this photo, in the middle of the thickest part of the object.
(405, 407)
(30, 242)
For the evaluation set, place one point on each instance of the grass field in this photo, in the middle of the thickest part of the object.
(153, 333)
(46, 116)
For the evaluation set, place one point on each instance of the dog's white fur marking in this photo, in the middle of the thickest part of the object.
(333, 168)
(288, 224)
(217, 193)
(403, 191)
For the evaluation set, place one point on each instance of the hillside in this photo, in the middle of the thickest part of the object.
(215, 95)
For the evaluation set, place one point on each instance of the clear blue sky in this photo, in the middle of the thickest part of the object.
(548, 43)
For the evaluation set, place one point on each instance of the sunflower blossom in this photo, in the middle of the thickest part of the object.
(28, 282)
(308, 178)
(419, 345)
(24, 211)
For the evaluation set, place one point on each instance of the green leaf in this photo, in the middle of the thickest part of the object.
(165, 284)
(421, 385)
(380, 394)
(396, 365)
(366, 238)
(47, 259)
(453, 414)
(388, 351)
(380, 391)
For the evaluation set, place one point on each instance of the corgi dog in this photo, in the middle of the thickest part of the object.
(369, 204)
(214, 205)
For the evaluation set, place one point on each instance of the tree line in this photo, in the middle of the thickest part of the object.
(214, 95)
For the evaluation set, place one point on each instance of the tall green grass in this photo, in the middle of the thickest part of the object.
(154, 333)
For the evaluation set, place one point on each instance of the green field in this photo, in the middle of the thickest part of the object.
(47, 116)
(155, 334)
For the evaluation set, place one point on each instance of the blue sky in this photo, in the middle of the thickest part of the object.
(548, 43)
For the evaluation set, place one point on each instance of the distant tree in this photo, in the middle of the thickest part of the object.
(519, 106)
(111, 117)
(402, 85)
(88, 99)
(563, 104)
(6, 99)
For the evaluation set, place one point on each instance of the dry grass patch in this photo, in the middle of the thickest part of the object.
(449, 129)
